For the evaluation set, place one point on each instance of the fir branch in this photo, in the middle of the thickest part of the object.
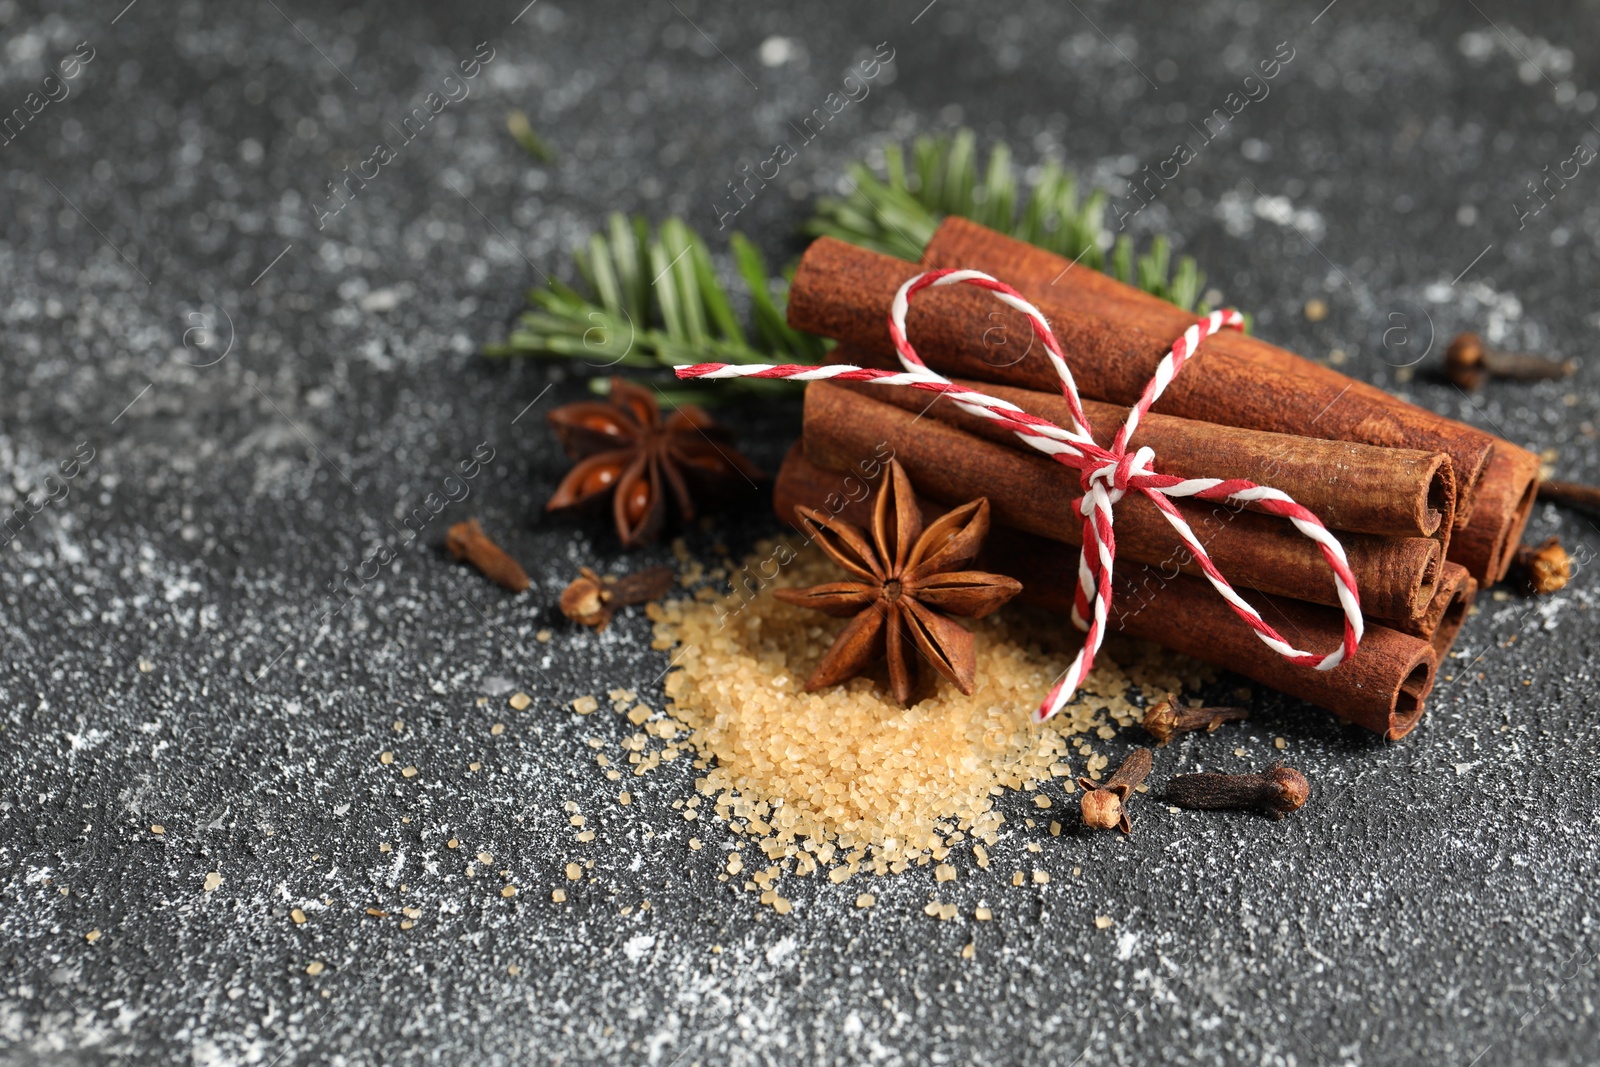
(653, 300)
(656, 302)
(895, 210)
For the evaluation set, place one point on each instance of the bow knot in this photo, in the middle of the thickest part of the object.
(1118, 470)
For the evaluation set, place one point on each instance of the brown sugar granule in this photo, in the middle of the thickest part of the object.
(315, 967)
(157, 828)
(297, 916)
(843, 769)
(587, 705)
(866, 900)
(574, 872)
(558, 895)
(92, 936)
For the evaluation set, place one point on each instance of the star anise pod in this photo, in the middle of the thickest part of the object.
(627, 450)
(907, 582)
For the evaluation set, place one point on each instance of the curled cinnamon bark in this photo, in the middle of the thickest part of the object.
(1113, 336)
(1392, 492)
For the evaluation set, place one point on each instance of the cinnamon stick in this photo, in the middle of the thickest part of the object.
(1247, 381)
(1112, 346)
(1446, 612)
(1396, 576)
(1392, 492)
(1382, 688)
(1505, 500)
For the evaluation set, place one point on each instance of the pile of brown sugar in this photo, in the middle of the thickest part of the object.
(846, 779)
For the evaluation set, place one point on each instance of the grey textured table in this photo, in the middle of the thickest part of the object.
(168, 656)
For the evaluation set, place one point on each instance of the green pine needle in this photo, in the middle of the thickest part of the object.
(653, 300)
(522, 131)
(656, 302)
(897, 209)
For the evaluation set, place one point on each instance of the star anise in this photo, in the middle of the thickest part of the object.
(907, 581)
(625, 449)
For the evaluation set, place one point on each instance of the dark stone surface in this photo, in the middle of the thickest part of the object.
(1434, 903)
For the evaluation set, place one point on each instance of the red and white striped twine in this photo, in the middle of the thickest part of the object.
(1105, 474)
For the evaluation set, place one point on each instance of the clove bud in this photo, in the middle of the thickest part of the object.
(1544, 568)
(1468, 361)
(1573, 495)
(466, 540)
(1276, 791)
(1166, 719)
(1104, 804)
(592, 600)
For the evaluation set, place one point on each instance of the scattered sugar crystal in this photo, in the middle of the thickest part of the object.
(847, 769)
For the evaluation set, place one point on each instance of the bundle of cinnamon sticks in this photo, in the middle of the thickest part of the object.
(1428, 509)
